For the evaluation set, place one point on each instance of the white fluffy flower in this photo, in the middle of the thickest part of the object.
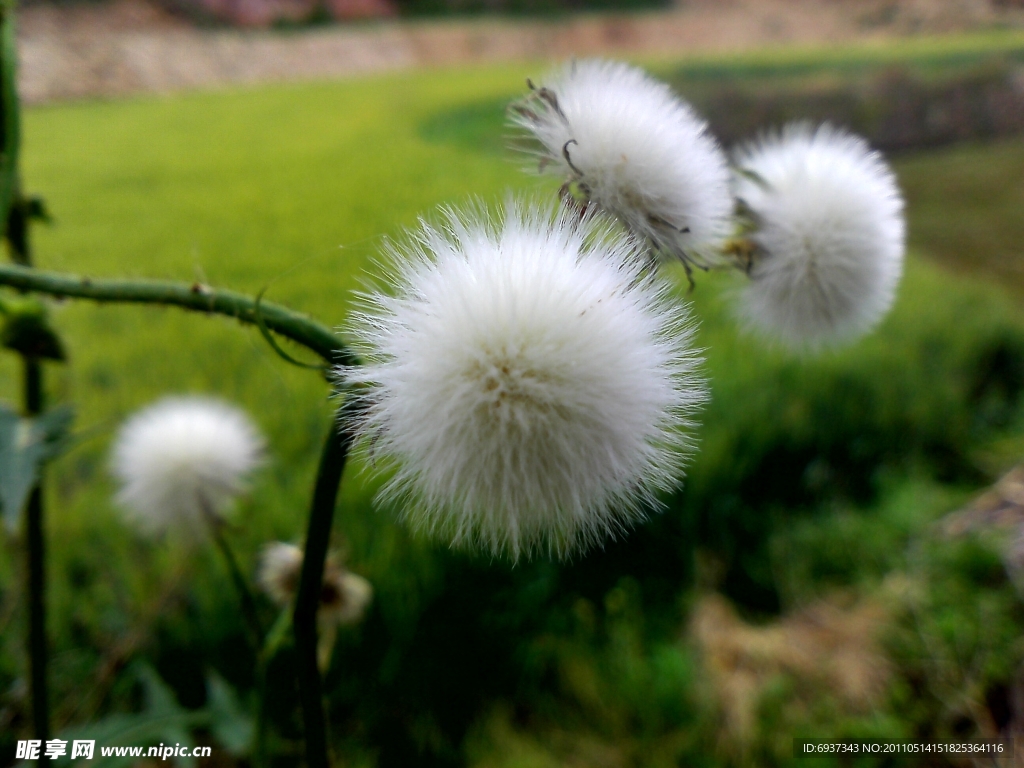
(530, 383)
(635, 149)
(828, 235)
(183, 458)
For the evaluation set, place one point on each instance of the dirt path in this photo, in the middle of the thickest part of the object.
(127, 46)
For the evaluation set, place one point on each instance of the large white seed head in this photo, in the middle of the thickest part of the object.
(636, 149)
(828, 234)
(531, 385)
(181, 459)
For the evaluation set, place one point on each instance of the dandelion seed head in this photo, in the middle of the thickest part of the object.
(181, 458)
(829, 231)
(640, 152)
(531, 386)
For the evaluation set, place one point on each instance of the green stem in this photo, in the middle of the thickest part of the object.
(250, 610)
(191, 296)
(37, 612)
(307, 601)
(10, 119)
(17, 235)
(271, 644)
(36, 546)
(14, 220)
(259, 747)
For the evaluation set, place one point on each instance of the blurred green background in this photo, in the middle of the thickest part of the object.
(801, 584)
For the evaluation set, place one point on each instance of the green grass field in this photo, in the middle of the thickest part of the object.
(293, 188)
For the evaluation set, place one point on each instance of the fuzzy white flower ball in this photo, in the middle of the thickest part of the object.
(828, 235)
(635, 149)
(182, 459)
(531, 384)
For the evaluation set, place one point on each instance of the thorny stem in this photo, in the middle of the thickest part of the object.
(191, 296)
(301, 330)
(307, 601)
(35, 540)
(15, 220)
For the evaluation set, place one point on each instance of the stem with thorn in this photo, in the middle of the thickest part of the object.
(191, 296)
(35, 540)
(14, 215)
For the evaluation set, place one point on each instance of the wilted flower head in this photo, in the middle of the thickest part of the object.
(828, 231)
(182, 459)
(278, 571)
(635, 150)
(530, 383)
(344, 596)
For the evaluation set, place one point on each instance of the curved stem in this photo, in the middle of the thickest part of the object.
(192, 296)
(307, 601)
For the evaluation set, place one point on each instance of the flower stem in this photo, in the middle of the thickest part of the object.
(191, 296)
(36, 545)
(17, 237)
(15, 220)
(250, 611)
(307, 601)
(271, 645)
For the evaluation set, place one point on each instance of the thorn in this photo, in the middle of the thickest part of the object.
(689, 278)
(568, 160)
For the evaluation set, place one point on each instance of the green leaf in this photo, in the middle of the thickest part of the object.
(163, 720)
(230, 724)
(25, 445)
(163, 706)
(30, 334)
(278, 634)
(36, 209)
